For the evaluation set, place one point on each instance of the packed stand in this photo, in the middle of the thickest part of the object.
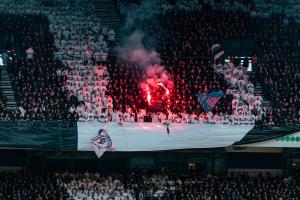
(95, 186)
(83, 45)
(278, 70)
(25, 185)
(277, 35)
(143, 185)
(83, 50)
(279, 41)
(39, 92)
(100, 89)
(290, 8)
(187, 57)
(280, 83)
(146, 184)
(79, 39)
(88, 83)
(129, 103)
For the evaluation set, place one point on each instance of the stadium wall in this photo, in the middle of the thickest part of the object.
(208, 161)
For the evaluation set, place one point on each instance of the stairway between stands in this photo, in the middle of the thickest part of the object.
(7, 89)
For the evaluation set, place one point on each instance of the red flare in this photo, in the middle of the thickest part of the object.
(163, 86)
(149, 97)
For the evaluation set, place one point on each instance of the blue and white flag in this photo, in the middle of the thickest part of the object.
(208, 101)
(217, 51)
(101, 142)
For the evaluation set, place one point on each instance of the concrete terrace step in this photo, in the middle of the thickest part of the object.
(4, 85)
(11, 103)
(111, 21)
(103, 2)
(11, 108)
(6, 88)
(5, 78)
(10, 94)
(105, 6)
(112, 18)
(8, 91)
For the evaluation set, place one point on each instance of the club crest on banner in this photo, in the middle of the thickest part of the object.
(101, 142)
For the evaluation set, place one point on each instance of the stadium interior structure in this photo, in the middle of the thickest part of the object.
(149, 99)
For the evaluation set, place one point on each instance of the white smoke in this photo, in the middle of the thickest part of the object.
(134, 51)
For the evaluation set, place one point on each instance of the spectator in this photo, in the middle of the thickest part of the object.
(30, 53)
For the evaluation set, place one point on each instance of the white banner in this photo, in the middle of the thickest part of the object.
(154, 136)
(292, 140)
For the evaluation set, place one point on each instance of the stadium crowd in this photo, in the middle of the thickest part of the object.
(278, 71)
(39, 77)
(147, 184)
(210, 25)
(26, 185)
(38, 90)
(67, 73)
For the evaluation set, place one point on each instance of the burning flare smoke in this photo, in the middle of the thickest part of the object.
(155, 75)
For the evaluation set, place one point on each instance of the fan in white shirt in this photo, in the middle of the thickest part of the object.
(193, 118)
(140, 116)
(155, 118)
(162, 117)
(201, 118)
(216, 118)
(30, 53)
(126, 117)
(177, 119)
(111, 35)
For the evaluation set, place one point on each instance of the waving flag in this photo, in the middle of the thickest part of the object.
(217, 51)
(101, 142)
(208, 101)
